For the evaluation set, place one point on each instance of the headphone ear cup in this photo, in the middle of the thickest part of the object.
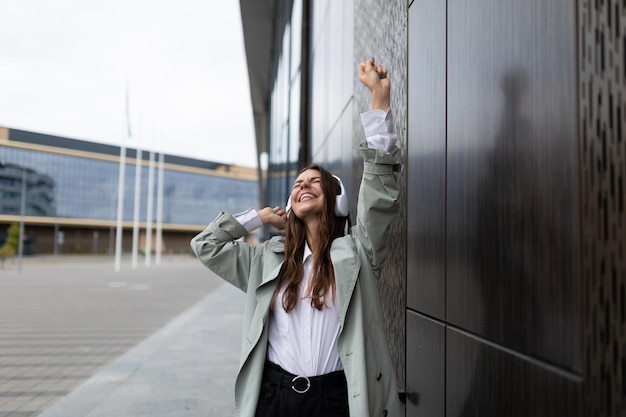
(342, 205)
(342, 208)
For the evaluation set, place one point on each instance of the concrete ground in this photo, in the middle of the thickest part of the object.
(80, 340)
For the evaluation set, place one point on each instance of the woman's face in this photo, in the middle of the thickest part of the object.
(307, 197)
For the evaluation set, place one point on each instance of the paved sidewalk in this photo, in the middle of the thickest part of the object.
(186, 369)
(65, 321)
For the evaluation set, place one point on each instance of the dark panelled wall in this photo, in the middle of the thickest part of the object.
(516, 171)
(603, 185)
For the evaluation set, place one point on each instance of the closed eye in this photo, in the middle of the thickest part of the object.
(314, 180)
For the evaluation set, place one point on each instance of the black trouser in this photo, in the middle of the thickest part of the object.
(287, 395)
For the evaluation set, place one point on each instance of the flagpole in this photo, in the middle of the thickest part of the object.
(120, 190)
(149, 209)
(159, 213)
(136, 203)
(120, 209)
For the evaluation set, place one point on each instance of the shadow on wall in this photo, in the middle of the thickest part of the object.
(519, 237)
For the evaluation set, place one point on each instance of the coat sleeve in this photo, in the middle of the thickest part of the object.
(219, 249)
(378, 202)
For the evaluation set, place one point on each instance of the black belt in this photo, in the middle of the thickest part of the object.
(333, 381)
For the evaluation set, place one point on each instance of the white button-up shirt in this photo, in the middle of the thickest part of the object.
(304, 341)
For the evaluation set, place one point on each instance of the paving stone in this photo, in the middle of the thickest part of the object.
(62, 323)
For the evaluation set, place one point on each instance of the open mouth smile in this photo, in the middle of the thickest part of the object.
(307, 197)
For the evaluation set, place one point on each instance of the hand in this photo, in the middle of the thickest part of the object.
(374, 77)
(275, 217)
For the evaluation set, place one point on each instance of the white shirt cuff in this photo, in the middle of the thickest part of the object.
(379, 132)
(249, 219)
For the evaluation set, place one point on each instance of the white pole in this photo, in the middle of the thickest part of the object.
(137, 201)
(159, 213)
(120, 188)
(149, 209)
(20, 244)
(120, 209)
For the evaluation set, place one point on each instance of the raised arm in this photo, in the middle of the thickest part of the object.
(379, 191)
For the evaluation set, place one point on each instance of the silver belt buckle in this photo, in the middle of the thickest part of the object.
(308, 384)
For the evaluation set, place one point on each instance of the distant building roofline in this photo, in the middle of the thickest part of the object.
(42, 139)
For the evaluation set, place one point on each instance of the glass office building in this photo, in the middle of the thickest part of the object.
(62, 184)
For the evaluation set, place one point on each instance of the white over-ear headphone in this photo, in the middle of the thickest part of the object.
(342, 205)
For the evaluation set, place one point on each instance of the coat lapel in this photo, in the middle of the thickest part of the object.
(346, 264)
(263, 294)
(265, 290)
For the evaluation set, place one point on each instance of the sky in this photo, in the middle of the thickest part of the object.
(69, 68)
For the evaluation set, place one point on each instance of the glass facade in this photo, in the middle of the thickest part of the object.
(333, 72)
(331, 69)
(284, 144)
(84, 188)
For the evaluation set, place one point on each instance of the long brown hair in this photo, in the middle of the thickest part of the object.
(331, 227)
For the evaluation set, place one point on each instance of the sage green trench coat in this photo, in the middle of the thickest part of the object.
(357, 260)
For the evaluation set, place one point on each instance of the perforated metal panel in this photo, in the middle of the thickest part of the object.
(603, 178)
(380, 30)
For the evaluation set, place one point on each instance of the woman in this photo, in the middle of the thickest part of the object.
(313, 343)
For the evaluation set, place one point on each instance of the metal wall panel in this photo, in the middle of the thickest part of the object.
(484, 380)
(426, 158)
(512, 208)
(426, 346)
